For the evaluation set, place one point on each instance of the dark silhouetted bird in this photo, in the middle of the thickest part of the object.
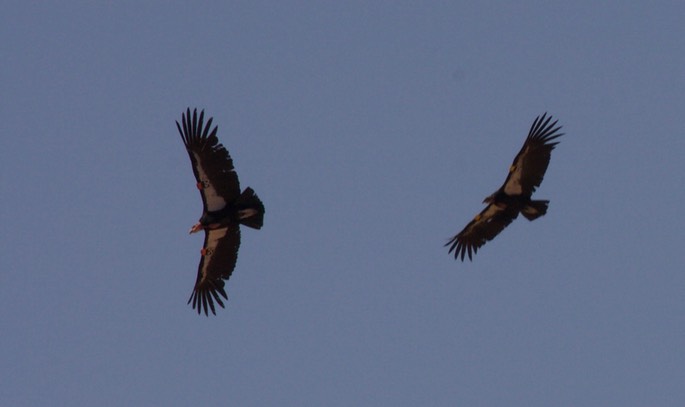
(514, 197)
(225, 208)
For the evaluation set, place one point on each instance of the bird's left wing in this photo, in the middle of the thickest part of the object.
(219, 256)
(212, 165)
(530, 164)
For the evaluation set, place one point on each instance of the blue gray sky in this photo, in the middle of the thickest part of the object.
(372, 131)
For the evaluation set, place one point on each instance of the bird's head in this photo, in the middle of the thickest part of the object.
(196, 228)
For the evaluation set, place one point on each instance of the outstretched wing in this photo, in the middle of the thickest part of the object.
(530, 164)
(484, 227)
(212, 165)
(219, 255)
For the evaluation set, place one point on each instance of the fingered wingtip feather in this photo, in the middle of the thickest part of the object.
(204, 303)
(211, 303)
(207, 127)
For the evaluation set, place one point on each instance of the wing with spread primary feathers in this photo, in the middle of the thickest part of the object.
(484, 227)
(219, 256)
(212, 165)
(530, 164)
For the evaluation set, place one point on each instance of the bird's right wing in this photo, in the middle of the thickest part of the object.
(219, 256)
(483, 228)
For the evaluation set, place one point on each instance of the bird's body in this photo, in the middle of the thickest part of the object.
(514, 196)
(225, 208)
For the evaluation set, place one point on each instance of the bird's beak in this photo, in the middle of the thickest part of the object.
(196, 228)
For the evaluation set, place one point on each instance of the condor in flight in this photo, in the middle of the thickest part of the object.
(224, 209)
(514, 197)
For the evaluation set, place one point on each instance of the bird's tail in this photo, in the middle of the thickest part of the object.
(251, 209)
(535, 209)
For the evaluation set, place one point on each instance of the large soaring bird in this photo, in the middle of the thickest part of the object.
(514, 197)
(224, 209)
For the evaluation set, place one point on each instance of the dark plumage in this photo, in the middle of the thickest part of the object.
(514, 196)
(224, 209)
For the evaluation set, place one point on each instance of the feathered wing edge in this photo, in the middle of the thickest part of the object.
(195, 134)
(544, 132)
(530, 164)
(219, 257)
(202, 297)
(211, 162)
(483, 228)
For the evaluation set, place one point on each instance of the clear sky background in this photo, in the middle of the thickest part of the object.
(372, 131)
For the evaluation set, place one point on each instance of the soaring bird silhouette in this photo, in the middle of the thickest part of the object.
(514, 196)
(224, 209)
